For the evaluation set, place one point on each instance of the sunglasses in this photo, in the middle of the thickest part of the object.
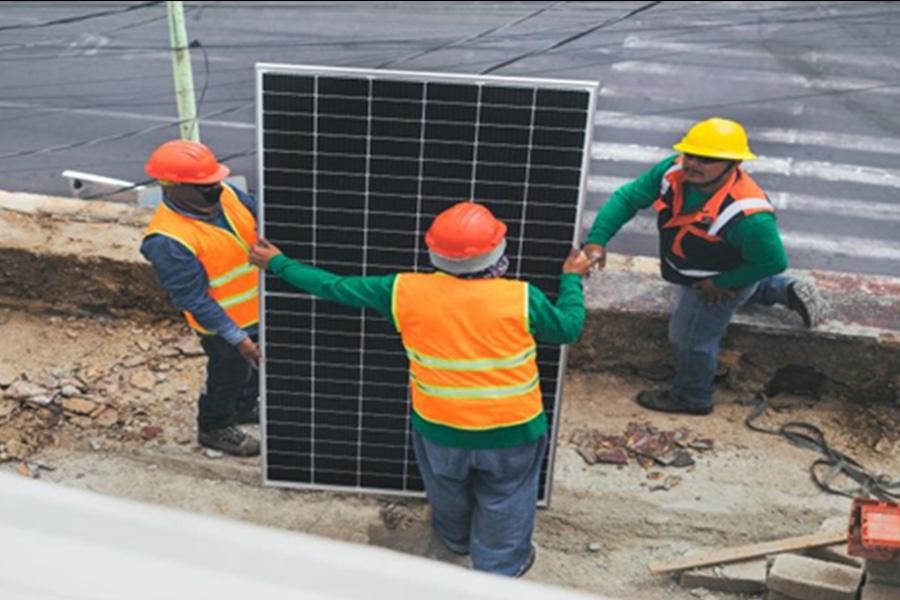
(706, 160)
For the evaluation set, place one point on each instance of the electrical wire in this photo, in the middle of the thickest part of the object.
(80, 18)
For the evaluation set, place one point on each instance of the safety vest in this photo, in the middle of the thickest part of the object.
(691, 246)
(233, 281)
(472, 362)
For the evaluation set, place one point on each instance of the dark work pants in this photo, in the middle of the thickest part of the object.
(232, 385)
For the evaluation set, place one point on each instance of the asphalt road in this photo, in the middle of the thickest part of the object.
(815, 83)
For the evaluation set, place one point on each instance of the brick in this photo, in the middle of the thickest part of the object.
(875, 591)
(805, 578)
(737, 578)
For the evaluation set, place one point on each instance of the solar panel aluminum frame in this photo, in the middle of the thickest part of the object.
(263, 69)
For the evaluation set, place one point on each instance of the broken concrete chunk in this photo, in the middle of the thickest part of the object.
(805, 578)
(69, 391)
(134, 361)
(143, 345)
(143, 380)
(79, 406)
(8, 376)
(23, 390)
(737, 578)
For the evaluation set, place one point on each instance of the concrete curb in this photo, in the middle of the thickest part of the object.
(82, 256)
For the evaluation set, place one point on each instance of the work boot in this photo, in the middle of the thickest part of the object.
(529, 562)
(804, 298)
(663, 401)
(230, 440)
(247, 415)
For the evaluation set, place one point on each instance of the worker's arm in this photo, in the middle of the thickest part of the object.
(372, 292)
(626, 201)
(757, 238)
(563, 322)
(184, 278)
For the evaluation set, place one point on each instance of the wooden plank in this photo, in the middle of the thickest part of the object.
(727, 555)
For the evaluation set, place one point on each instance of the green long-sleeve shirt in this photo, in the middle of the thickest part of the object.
(560, 323)
(755, 236)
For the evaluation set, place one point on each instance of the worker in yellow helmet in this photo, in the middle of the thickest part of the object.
(479, 427)
(718, 241)
(197, 243)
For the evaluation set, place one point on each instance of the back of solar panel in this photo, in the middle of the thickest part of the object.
(354, 165)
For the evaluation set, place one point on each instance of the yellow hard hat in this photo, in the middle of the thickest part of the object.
(716, 138)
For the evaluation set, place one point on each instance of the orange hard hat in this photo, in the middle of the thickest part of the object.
(466, 238)
(185, 161)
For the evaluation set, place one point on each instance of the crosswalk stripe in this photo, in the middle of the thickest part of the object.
(827, 139)
(868, 209)
(681, 71)
(645, 225)
(728, 50)
(778, 166)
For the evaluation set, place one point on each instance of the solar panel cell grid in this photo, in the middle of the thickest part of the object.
(354, 166)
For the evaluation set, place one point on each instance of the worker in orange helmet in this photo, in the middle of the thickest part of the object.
(197, 243)
(718, 241)
(479, 427)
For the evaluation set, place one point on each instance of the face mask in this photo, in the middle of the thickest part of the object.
(203, 199)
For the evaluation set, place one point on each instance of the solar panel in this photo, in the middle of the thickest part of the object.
(354, 165)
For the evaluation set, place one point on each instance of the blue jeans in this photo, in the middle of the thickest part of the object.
(483, 501)
(696, 328)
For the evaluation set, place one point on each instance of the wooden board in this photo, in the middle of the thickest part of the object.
(739, 553)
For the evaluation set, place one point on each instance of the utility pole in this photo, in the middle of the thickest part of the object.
(184, 76)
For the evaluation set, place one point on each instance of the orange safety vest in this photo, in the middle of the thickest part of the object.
(472, 359)
(691, 245)
(233, 281)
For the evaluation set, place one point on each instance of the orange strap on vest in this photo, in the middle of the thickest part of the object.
(472, 359)
(739, 186)
(233, 281)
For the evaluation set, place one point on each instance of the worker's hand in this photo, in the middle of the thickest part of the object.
(710, 293)
(250, 351)
(262, 252)
(577, 262)
(597, 254)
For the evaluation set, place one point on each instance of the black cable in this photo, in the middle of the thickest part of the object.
(806, 435)
(80, 18)
(118, 136)
(572, 38)
(471, 38)
(197, 44)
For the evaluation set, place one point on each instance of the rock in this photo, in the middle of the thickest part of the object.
(16, 449)
(81, 422)
(169, 352)
(96, 445)
(26, 471)
(160, 377)
(40, 400)
(23, 390)
(134, 361)
(183, 438)
(7, 407)
(107, 417)
(144, 345)
(71, 334)
(209, 453)
(150, 432)
(8, 376)
(162, 367)
(69, 391)
(594, 547)
(79, 406)
(183, 389)
(90, 374)
(189, 345)
(143, 380)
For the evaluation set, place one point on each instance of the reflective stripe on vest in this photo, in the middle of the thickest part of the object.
(233, 282)
(738, 196)
(472, 359)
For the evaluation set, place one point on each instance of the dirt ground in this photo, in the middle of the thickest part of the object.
(108, 405)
